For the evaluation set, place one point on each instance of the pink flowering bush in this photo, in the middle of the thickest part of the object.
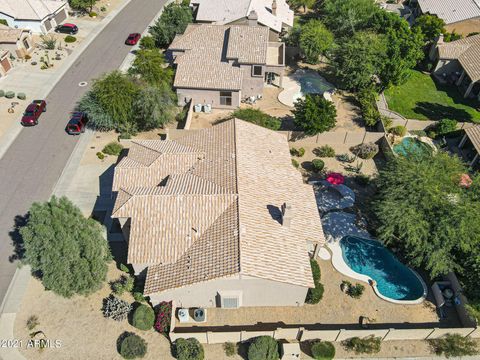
(164, 315)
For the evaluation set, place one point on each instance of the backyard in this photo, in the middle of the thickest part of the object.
(421, 98)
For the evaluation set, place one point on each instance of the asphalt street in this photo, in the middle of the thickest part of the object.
(34, 162)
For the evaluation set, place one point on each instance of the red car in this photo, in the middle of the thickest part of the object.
(77, 123)
(33, 112)
(133, 39)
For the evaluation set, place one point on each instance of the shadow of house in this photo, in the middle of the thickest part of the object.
(437, 111)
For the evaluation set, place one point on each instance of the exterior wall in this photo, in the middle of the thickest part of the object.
(5, 59)
(212, 97)
(37, 26)
(255, 292)
(18, 48)
(252, 85)
(464, 27)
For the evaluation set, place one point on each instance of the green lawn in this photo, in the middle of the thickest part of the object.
(421, 98)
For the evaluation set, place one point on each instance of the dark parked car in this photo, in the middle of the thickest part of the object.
(67, 28)
(133, 39)
(33, 112)
(77, 123)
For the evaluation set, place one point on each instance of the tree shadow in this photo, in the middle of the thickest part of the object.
(435, 111)
(17, 239)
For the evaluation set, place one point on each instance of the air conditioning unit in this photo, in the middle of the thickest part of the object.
(200, 315)
(197, 108)
(183, 315)
(207, 108)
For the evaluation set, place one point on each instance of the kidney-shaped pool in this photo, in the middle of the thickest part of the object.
(393, 279)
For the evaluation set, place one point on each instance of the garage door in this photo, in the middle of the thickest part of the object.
(47, 25)
(6, 64)
(60, 17)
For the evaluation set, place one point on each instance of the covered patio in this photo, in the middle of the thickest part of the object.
(470, 146)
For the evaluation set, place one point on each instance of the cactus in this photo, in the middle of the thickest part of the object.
(116, 308)
(9, 94)
(21, 96)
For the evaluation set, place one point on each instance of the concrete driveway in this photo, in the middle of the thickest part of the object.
(33, 163)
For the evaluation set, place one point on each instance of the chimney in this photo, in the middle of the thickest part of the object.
(252, 18)
(274, 7)
(287, 214)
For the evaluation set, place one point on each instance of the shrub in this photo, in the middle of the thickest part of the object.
(297, 152)
(398, 130)
(113, 148)
(21, 96)
(125, 283)
(103, 9)
(32, 322)
(189, 349)
(431, 134)
(263, 348)
(27, 57)
(100, 155)
(147, 42)
(138, 296)
(445, 126)
(295, 163)
(132, 346)
(318, 164)
(258, 117)
(368, 345)
(9, 94)
(387, 122)
(92, 14)
(362, 179)
(367, 99)
(2, 93)
(324, 151)
(454, 345)
(122, 267)
(3, 22)
(164, 316)
(70, 39)
(230, 348)
(48, 41)
(365, 150)
(143, 317)
(314, 295)
(356, 291)
(322, 350)
(420, 133)
(116, 308)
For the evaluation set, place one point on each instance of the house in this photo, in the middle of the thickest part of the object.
(470, 146)
(18, 41)
(220, 65)
(5, 63)
(39, 16)
(274, 14)
(459, 63)
(461, 16)
(218, 217)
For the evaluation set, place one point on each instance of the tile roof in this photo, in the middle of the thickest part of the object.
(451, 11)
(30, 9)
(219, 216)
(10, 35)
(224, 12)
(466, 51)
(473, 134)
(205, 50)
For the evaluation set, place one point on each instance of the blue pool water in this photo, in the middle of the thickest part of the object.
(369, 257)
(411, 145)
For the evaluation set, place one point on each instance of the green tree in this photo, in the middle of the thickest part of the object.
(154, 107)
(174, 20)
(86, 5)
(263, 348)
(67, 250)
(314, 114)
(315, 40)
(454, 345)
(189, 349)
(99, 119)
(359, 59)
(149, 65)
(431, 26)
(147, 42)
(296, 4)
(346, 17)
(441, 231)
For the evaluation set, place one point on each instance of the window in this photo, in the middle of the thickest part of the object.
(226, 98)
(257, 70)
(230, 303)
(230, 299)
(26, 44)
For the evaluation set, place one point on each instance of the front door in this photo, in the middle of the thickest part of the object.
(6, 64)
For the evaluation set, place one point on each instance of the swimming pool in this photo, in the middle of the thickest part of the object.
(412, 145)
(394, 280)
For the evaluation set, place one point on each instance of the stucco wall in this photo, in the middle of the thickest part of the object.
(252, 85)
(255, 292)
(212, 97)
(35, 25)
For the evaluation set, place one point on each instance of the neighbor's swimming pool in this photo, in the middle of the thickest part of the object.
(411, 145)
(394, 280)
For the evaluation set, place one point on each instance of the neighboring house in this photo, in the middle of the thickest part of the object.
(222, 64)
(461, 16)
(218, 217)
(470, 146)
(39, 16)
(5, 63)
(274, 14)
(18, 41)
(459, 63)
